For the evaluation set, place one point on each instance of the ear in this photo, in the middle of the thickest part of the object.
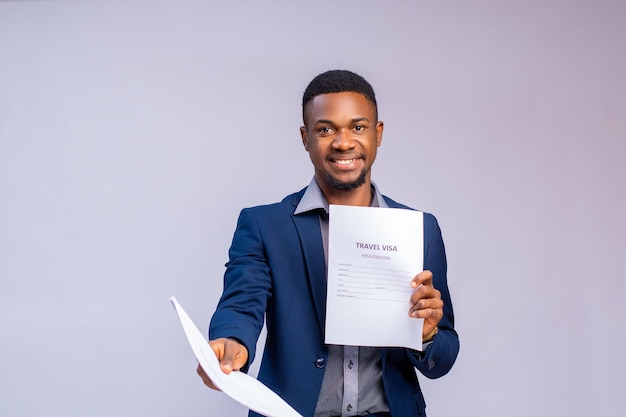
(379, 133)
(305, 140)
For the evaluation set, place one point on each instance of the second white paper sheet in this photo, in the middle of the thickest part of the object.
(237, 385)
(373, 254)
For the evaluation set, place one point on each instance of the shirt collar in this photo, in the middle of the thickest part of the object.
(313, 199)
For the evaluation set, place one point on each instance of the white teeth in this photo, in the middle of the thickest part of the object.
(345, 161)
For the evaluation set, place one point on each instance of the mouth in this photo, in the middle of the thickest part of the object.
(345, 161)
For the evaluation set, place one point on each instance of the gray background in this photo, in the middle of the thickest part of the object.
(132, 133)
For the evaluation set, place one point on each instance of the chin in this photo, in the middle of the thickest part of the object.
(338, 184)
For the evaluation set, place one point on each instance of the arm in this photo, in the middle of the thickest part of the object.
(247, 289)
(431, 301)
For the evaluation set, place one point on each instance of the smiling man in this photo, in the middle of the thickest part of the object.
(277, 271)
(341, 132)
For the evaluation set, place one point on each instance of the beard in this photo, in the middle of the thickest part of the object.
(346, 185)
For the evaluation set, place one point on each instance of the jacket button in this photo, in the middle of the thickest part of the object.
(320, 362)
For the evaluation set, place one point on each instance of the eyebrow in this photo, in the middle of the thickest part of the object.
(330, 122)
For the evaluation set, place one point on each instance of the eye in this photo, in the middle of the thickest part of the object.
(325, 130)
(359, 128)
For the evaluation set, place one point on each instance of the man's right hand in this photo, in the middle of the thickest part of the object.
(231, 355)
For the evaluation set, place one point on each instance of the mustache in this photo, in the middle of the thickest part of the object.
(347, 155)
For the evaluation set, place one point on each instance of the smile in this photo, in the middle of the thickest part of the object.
(344, 161)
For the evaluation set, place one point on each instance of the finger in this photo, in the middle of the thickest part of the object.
(228, 360)
(427, 307)
(427, 304)
(231, 354)
(424, 291)
(423, 278)
(236, 353)
(432, 315)
(205, 378)
(420, 292)
(219, 347)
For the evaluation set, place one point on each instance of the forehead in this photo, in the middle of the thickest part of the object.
(339, 106)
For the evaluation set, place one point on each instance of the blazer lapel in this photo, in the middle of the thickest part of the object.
(308, 227)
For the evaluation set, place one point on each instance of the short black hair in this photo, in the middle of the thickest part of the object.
(338, 81)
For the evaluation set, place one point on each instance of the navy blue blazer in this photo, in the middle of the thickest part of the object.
(276, 271)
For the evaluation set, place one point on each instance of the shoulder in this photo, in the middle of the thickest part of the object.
(394, 204)
(429, 218)
(287, 204)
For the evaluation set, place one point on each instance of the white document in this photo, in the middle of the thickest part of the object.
(373, 254)
(237, 385)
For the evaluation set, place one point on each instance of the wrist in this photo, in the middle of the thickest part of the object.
(430, 336)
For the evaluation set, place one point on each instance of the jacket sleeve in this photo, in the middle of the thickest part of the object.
(247, 287)
(439, 357)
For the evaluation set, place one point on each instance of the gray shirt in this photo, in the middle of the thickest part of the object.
(352, 383)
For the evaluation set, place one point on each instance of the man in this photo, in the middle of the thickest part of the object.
(277, 268)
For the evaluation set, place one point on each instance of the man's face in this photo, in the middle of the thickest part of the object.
(341, 134)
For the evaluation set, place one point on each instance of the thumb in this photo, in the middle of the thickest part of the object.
(227, 362)
(234, 357)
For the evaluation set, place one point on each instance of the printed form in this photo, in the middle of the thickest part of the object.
(373, 254)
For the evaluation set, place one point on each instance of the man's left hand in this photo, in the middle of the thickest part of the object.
(426, 302)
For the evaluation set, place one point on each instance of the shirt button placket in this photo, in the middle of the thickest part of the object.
(350, 380)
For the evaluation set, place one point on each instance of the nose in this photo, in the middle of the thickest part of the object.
(343, 141)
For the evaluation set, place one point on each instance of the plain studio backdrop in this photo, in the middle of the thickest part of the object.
(132, 133)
